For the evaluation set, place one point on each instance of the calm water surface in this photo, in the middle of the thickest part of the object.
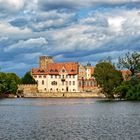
(69, 119)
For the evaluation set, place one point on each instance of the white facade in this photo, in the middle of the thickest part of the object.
(57, 83)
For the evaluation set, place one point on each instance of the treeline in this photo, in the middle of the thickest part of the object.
(9, 82)
(112, 82)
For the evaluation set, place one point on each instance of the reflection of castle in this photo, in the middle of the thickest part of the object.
(63, 77)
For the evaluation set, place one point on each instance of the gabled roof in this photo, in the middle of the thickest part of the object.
(56, 68)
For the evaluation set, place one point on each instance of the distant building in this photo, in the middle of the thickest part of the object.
(63, 77)
(126, 75)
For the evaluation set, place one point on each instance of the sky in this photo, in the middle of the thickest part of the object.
(69, 30)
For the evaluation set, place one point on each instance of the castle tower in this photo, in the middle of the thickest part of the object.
(44, 61)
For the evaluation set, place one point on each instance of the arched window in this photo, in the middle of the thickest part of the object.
(54, 83)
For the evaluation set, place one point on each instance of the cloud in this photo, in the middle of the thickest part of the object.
(34, 44)
(10, 7)
(72, 4)
(6, 28)
(66, 29)
(52, 19)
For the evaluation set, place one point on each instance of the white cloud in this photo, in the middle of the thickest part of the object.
(6, 28)
(115, 23)
(11, 5)
(28, 44)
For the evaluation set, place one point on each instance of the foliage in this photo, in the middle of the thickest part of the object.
(129, 90)
(8, 82)
(130, 61)
(28, 79)
(107, 77)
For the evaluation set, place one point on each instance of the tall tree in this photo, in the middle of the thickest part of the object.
(107, 77)
(130, 61)
(28, 79)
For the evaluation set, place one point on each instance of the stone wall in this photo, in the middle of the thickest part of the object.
(94, 94)
(30, 91)
(27, 88)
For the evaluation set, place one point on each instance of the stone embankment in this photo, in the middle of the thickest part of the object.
(65, 95)
(30, 91)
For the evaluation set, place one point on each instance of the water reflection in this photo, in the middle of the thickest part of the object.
(71, 119)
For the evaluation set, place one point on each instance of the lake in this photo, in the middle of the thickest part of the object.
(69, 119)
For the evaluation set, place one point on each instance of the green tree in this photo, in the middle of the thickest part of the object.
(28, 79)
(129, 90)
(3, 83)
(107, 77)
(12, 82)
(8, 82)
(130, 61)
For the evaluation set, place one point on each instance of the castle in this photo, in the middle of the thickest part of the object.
(63, 77)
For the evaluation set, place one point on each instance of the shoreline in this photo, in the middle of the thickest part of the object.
(54, 95)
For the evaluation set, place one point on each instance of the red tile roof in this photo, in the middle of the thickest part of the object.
(39, 71)
(126, 74)
(55, 68)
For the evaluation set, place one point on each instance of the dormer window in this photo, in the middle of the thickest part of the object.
(41, 71)
(63, 70)
(72, 70)
(56, 70)
(51, 70)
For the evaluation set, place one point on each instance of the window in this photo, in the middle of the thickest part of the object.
(44, 76)
(69, 76)
(79, 83)
(55, 76)
(54, 83)
(63, 76)
(69, 82)
(63, 83)
(66, 82)
(73, 76)
(35, 76)
(63, 70)
(40, 76)
(51, 76)
(73, 82)
(42, 82)
(72, 70)
(51, 70)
